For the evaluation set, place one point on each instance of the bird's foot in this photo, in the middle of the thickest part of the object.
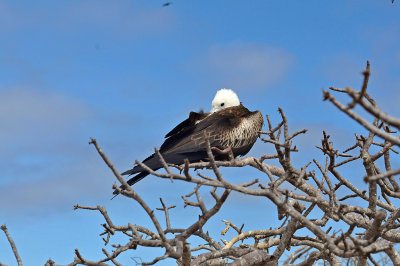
(227, 151)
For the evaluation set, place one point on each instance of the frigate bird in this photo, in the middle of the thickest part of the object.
(228, 124)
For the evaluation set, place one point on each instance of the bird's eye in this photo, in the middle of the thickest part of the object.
(222, 104)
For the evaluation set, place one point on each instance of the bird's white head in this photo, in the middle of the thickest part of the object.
(223, 99)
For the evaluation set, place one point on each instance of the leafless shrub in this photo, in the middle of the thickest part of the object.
(370, 232)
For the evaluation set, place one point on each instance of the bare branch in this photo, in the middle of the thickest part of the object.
(381, 176)
(360, 120)
(12, 244)
(306, 200)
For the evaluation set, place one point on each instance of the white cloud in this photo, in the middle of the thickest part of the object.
(45, 158)
(121, 16)
(247, 66)
(30, 117)
(40, 134)
(62, 188)
(116, 17)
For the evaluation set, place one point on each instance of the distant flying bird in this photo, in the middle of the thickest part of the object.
(167, 4)
(229, 124)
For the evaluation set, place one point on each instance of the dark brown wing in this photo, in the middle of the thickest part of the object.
(216, 125)
(190, 142)
(188, 123)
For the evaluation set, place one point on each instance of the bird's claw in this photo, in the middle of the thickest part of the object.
(227, 150)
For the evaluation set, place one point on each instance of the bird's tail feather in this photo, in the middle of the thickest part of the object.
(132, 181)
(153, 162)
(137, 178)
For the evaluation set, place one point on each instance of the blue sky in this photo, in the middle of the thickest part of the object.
(126, 72)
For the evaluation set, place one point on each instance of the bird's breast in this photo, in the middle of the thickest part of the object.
(245, 133)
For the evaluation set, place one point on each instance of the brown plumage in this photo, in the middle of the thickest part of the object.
(193, 119)
(234, 126)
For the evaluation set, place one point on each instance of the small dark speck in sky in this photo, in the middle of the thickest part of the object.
(167, 4)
